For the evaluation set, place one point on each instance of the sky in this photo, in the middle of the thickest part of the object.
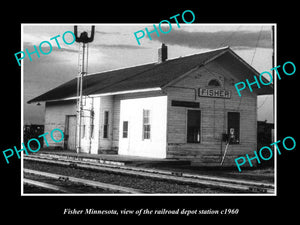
(115, 47)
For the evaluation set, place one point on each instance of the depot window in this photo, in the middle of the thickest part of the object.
(105, 124)
(92, 131)
(146, 124)
(83, 131)
(193, 126)
(233, 127)
(214, 83)
(125, 129)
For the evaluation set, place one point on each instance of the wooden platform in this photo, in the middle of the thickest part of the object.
(112, 158)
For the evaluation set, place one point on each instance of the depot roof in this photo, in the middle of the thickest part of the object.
(154, 75)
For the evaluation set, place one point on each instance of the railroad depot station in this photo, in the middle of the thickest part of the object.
(183, 108)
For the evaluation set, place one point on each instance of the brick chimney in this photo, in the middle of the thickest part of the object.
(162, 53)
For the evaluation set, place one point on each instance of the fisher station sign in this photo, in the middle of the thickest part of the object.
(214, 93)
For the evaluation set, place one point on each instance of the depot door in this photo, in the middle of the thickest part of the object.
(193, 126)
(70, 141)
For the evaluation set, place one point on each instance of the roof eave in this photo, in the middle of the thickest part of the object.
(100, 95)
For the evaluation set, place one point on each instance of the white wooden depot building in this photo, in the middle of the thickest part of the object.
(172, 108)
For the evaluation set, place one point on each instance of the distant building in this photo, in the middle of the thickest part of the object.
(176, 108)
(33, 131)
(265, 136)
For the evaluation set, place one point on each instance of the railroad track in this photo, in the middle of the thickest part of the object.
(46, 185)
(83, 182)
(209, 181)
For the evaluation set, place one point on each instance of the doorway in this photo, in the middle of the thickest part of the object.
(70, 131)
(193, 126)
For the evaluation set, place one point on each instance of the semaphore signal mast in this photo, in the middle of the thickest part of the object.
(83, 40)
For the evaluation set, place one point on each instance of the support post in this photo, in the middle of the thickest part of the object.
(79, 100)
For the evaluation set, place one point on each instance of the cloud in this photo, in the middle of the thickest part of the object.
(65, 49)
(120, 46)
(200, 39)
(103, 32)
(36, 39)
(45, 48)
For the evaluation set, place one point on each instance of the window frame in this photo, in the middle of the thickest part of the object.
(92, 130)
(105, 124)
(146, 135)
(214, 86)
(187, 126)
(237, 139)
(125, 131)
(83, 131)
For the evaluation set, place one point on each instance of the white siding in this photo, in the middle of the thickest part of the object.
(95, 137)
(55, 117)
(86, 121)
(106, 104)
(132, 111)
(213, 118)
(116, 112)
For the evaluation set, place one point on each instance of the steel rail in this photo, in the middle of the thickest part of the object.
(74, 162)
(85, 182)
(216, 182)
(46, 185)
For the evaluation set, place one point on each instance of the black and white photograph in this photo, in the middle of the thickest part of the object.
(160, 116)
(149, 112)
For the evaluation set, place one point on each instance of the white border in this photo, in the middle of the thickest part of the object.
(275, 107)
(143, 25)
(22, 111)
